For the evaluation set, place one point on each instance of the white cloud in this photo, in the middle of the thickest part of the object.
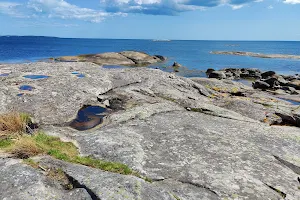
(53, 9)
(236, 7)
(291, 1)
(270, 7)
(9, 8)
(168, 7)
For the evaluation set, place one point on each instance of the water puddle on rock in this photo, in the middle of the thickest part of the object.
(36, 77)
(80, 75)
(20, 94)
(26, 87)
(88, 117)
(114, 67)
(3, 75)
(75, 73)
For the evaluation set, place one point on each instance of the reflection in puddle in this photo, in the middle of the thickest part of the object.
(88, 117)
(35, 77)
(5, 74)
(75, 73)
(20, 94)
(26, 87)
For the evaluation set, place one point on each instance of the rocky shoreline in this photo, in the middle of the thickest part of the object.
(194, 138)
(269, 81)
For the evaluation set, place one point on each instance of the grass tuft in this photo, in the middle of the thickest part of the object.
(25, 147)
(5, 143)
(13, 124)
(104, 165)
(31, 163)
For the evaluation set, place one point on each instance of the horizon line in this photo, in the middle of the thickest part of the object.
(167, 40)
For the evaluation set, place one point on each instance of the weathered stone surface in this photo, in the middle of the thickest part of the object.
(227, 86)
(126, 58)
(19, 182)
(110, 186)
(194, 141)
(228, 157)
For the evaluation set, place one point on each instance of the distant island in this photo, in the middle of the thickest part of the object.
(258, 55)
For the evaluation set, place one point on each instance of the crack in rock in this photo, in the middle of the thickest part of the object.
(199, 185)
(121, 86)
(291, 166)
(282, 194)
(76, 184)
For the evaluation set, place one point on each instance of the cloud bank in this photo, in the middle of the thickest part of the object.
(61, 9)
(168, 7)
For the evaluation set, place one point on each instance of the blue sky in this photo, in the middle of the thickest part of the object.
(153, 19)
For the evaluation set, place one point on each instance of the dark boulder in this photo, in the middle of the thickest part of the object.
(273, 82)
(209, 70)
(260, 85)
(162, 58)
(268, 74)
(254, 73)
(176, 64)
(217, 74)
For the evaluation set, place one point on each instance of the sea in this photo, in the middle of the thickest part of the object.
(193, 54)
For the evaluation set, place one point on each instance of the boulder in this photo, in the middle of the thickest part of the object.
(289, 77)
(295, 84)
(273, 82)
(209, 70)
(268, 74)
(176, 66)
(217, 75)
(140, 58)
(261, 85)
(254, 73)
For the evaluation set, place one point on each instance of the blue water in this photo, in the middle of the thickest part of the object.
(35, 77)
(192, 54)
(26, 87)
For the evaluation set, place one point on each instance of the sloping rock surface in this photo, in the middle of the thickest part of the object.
(176, 131)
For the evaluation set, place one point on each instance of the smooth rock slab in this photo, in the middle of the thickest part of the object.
(19, 182)
(111, 186)
(228, 157)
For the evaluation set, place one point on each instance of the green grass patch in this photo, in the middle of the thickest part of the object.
(14, 140)
(104, 165)
(5, 143)
(31, 163)
(40, 143)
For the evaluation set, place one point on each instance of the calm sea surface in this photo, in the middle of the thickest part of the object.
(192, 54)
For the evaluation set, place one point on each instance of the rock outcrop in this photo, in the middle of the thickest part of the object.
(124, 58)
(193, 138)
(268, 80)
